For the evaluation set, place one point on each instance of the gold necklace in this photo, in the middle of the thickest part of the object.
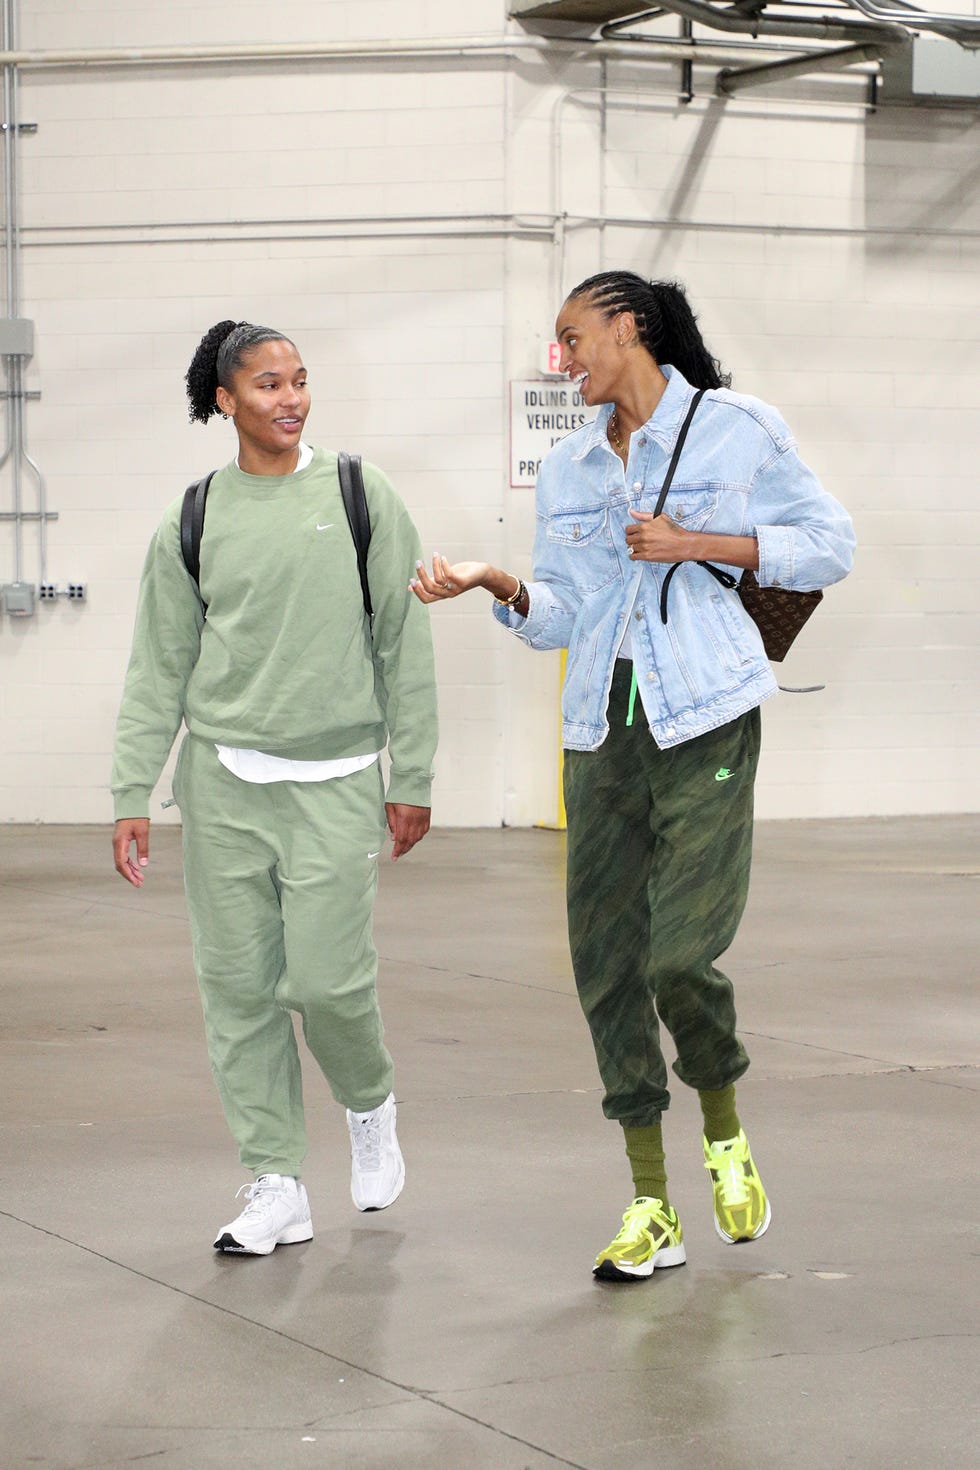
(614, 433)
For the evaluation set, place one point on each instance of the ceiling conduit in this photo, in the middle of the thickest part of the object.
(752, 22)
(872, 30)
(963, 29)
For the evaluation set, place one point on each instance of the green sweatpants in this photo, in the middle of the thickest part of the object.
(659, 851)
(280, 883)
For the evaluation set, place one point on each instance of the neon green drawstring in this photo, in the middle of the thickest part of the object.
(633, 688)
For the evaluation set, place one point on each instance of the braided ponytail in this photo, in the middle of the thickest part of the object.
(665, 323)
(681, 342)
(220, 353)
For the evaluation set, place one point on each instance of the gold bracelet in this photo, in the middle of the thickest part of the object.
(515, 599)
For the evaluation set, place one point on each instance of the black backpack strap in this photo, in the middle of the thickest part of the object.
(356, 506)
(192, 529)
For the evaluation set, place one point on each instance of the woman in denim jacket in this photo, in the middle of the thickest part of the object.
(660, 804)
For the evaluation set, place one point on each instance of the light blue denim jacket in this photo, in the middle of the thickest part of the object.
(739, 475)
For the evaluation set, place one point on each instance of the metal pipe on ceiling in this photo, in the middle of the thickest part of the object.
(962, 28)
(760, 25)
(732, 80)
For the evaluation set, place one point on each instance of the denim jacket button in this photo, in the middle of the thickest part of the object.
(637, 484)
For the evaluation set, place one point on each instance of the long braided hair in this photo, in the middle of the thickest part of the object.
(665, 323)
(220, 353)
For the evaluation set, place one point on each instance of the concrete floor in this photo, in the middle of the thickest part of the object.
(462, 1328)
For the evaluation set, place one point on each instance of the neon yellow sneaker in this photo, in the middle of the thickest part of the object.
(741, 1209)
(651, 1236)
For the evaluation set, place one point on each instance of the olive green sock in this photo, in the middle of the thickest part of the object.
(720, 1118)
(645, 1151)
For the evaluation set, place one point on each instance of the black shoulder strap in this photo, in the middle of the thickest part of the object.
(677, 450)
(192, 528)
(725, 578)
(355, 504)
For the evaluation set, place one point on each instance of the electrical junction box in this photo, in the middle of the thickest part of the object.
(17, 599)
(16, 337)
(931, 72)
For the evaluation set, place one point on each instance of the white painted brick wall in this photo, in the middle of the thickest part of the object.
(866, 341)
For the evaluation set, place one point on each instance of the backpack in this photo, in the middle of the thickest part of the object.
(355, 504)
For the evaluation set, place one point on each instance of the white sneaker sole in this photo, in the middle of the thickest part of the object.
(668, 1255)
(292, 1235)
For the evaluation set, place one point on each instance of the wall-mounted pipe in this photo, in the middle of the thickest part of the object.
(732, 80)
(364, 227)
(651, 49)
(762, 25)
(458, 227)
(964, 29)
(804, 231)
(11, 240)
(15, 361)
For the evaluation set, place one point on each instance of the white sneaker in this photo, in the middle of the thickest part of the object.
(277, 1213)
(377, 1169)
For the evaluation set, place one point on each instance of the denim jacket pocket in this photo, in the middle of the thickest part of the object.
(692, 507)
(582, 540)
(577, 527)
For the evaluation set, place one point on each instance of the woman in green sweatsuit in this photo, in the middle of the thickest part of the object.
(288, 694)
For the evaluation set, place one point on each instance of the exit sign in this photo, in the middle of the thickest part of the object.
(549, 359)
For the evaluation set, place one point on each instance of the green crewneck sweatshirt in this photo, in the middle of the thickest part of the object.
(285, 661)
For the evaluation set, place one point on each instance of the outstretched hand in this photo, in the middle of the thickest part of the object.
(447, 581)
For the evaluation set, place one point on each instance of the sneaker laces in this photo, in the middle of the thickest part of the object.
(729, 1169)
(637, 1222)
(261, 1196)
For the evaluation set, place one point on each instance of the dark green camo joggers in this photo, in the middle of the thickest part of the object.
(659, 851)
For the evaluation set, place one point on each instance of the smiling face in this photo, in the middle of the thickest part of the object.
(269, 401)
(592, 348)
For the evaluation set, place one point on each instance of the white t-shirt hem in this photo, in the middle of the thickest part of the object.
(262, 769)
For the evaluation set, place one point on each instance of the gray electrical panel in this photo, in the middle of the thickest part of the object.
(931, 71)
(16, 337)
(17, 599)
